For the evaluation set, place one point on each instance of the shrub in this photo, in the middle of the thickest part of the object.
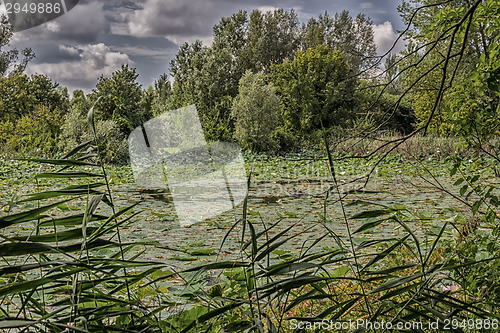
(76, 130)
(33, 133)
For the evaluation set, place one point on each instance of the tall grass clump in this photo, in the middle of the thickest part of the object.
(65, 268)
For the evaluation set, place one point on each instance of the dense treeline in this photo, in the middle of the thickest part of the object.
(271, 84)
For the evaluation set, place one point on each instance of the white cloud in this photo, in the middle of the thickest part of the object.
(153, 54)
(94, 61)
(266, 9)
(69, 50)
(366, 5)
(384, 37)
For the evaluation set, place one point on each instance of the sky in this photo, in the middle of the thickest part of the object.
(96, 37)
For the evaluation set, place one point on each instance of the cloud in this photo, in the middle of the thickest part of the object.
(366, 5)
(174, 19)
(88, 63)
(266, 9)
(182, 21)
(82, 25)
(154, 48)
(384, 37)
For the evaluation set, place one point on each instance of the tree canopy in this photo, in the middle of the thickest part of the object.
(316, 88)
(120, 101)
(256, 111)
(209, 76)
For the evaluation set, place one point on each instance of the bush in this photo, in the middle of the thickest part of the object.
(76, 131)
(35, 133)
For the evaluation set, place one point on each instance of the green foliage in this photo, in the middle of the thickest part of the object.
(451, 43)
(383, 111)
(475, 103)
(316, 89)
(75, 131)
(203, 78)
(208, 76)
(272, 37)
(161, 96)
(20, 94)
(31, 111)
(8, 59)
(64, 272)
(36, 133)
(352, 37)
(256, 111)
(475, 255)
(121, 99)
(79, 101)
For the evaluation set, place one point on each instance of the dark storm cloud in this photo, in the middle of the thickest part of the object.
(178, 19)
(81, 25)
(380, 11)
(159, 43)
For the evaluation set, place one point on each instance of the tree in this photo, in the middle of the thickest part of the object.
(258, 40)
(79, 101)
(256, 112)
(161, 95)
(20, 94)
(316, 88)
(32, 134)
(448, 41)
(75, 130)
(120, 101)
(209, 76)
(272, 37)
(9, 59)
(202, 78)
(353, 37)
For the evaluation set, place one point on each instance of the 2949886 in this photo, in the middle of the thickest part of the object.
(26, 14)
(34, 8)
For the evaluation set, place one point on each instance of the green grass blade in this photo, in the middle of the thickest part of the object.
(19, 287)
(30, 215)
(68, 175)
(71, 221)
(384, 253)
(16, 323)
(19, 249)
(59, 193)
(77, 149)
(212, 314)
(372, 213)
(55, 237)
(397, 282)
(218, 265)
(64, 162)
(287, 267)
(371, 225)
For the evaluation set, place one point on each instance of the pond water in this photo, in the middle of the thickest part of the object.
(297, 203)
